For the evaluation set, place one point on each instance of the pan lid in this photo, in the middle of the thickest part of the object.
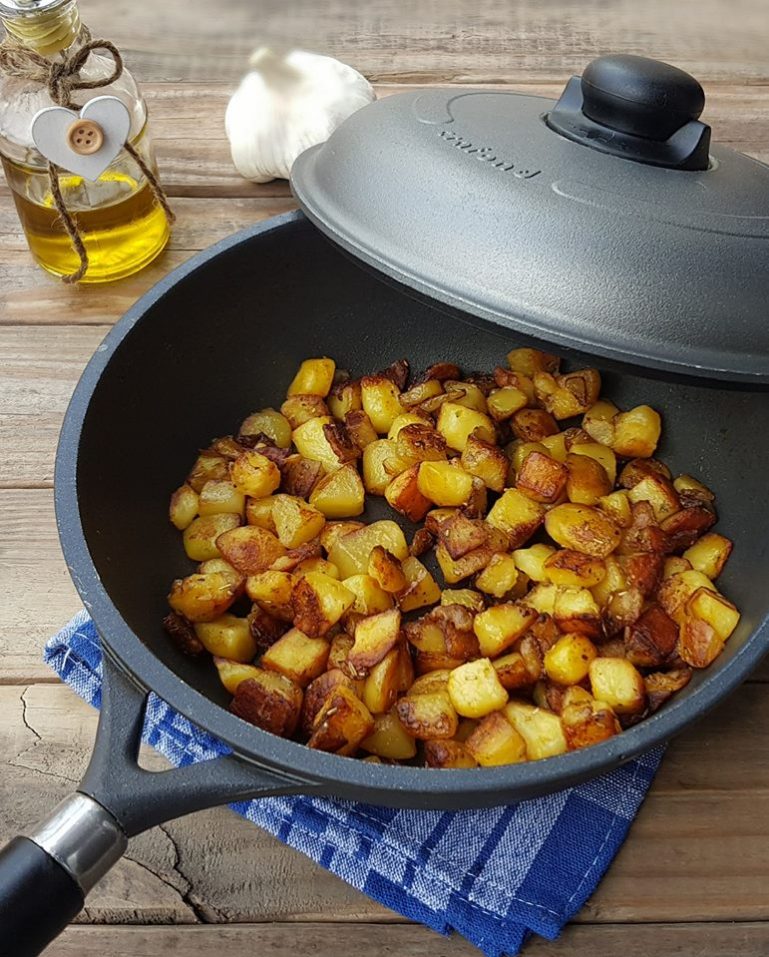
(604, 222)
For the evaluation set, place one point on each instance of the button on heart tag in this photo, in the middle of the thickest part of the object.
(83, 143)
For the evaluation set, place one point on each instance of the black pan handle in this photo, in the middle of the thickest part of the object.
(45, 876)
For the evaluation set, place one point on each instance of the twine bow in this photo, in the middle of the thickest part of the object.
(61, 78)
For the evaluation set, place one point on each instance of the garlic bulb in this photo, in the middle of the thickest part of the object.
(286, 104)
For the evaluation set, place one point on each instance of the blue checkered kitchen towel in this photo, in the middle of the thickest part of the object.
(495, 876)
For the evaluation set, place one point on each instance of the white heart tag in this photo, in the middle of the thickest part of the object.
(51, 126)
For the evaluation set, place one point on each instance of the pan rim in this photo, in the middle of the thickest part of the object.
(321, 772)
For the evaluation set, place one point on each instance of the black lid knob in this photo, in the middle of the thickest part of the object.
(640, 96)
(638, 109)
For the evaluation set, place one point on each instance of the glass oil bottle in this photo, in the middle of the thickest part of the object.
(119, 220)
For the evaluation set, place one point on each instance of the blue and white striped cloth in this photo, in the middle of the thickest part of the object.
(495, 876)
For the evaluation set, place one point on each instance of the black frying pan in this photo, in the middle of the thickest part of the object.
(221, 336)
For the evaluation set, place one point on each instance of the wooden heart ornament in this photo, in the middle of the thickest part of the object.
(83, 143)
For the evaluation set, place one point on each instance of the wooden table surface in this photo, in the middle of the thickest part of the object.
(693, 878)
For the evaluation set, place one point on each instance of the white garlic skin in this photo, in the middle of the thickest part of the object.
(284, 105)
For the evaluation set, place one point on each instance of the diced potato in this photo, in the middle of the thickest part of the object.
(614, 580)
(316, 564)
(637, 469)
(574, 569)
(618, 682)
(221, 497)
(208, 466)
(201, 535)
(466, 597)
(651, 640)
(598, 422)
(516, 515)
(270, 701)
(270, 423)
(232, 575)
(421, 588)
(542, 598)
(297, 656)
(360, 429)
(296, 522)
(381, 685)
(254, 474)
(443, 484)
(404, 496)
(344, 398)
(259, 512)
(467, 394)
(249, 549)
(587, 480)
(709, 554)
(531, 561)
(542, 478)
(675, 592)
(485, 461)
(312, 442)
(183, 507)
(512, 671)
(533, 425)
(404, 419)
(370, 597)
(588, 722)
(375, 636)
(530, 361)
(568, 395)
(575, 610)
(674, 565)
(682, 529)
(475, 689)
(502, 403)
(431, 682)
(298, 409)
(342, 723)
(319, 602)
(495, 741)
(448, 754)
(637, 432)
(428, 715)
(500, 626)
(389, 739)
(662, 685)
(381, 401)
(617, 506)
(315, 377)
(376, 478)
(333, 531)
(340, 494)
(457, 423)
(386, 570)
(459, 534)
(698, 643)
(271, 586)
(601, 454)
(717, 611)
(232, 673)
(541, 730)
(499, 576)
(227, 637)
(659, 492)
(583, 529)
(350, 553)
(202, 597)
(418, 442)
(518, 451)
(568, 661)
(685, 483)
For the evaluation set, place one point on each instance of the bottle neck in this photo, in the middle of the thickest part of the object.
(47, 32)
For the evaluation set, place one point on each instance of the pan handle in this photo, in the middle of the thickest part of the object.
(67, 854)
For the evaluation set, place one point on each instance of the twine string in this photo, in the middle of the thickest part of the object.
(62, 78)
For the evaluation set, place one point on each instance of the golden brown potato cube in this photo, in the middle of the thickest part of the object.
(505, 402)
(344, 397)
(296, 522)
(457, 423)
(475, 689)
(637, 432)
(598, 422)
(420, 442)
(316, 693)
(421, 392)
(530, 361)
(659, 492)
(227, 637)
(643, 571)
(638, 469)
(574, 569)
(380, 398)
(675, 592)
(541, 730)
(421, 588)
(380, 688)
(268, 422)
(386, 570)
(319, 602)
(448, 754)
(428, 715)
(662, 685)
(183, 506)
(232, 673)
(709, 554)
(485, 461)
(430, 682)
(601, 454)
(495, 741)
(375, 636)
(333, 531)
(518, 451)
(575, 610)
(201, 536)
(682, 529)
(202, 597)
(674, 565)
(687, 484)
(568, 395)
(499, 576)
(221, 497)
(698, 643)
(517, 515)
(466, 597)
(568, 661)
(460, 535)
(541, 478)
(443, 484)
(617, 506)
(468, 394)
(274, 587)
(370, 597)
(501, 626)
(455, 571)
(652, 639)
(298, 409)
(313, 443)
(622, 609)
(389, 739)
(232, 575)
(533, 425)
(341, 644)
(254, 474)
(512, 671)
(583, 529)
(208, 466)
(587, 480)
(350, 552)
(587, 722)
(249, 549)
(298, 657)
(340, 494)
(270, 701)
(259, 512)
(315, 377)
(342, 723)
(542, 598)
(404, 496)
(359, 428)
(408, 418)
(717, 611)
(618, 682)
(376, 455)
(531, 561)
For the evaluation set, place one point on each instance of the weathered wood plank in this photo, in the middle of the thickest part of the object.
(749, 939)
(698, 849)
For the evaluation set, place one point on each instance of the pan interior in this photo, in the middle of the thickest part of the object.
(227, 340)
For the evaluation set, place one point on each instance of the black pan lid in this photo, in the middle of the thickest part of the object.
(605, 222)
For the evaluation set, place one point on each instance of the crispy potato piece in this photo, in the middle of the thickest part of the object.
(637, 432)
(541, 730)
(542, 598)
(419, 442)
(333, 531)
(709, 554)
(485, 461)
(638, 469)
(682, 529)
(315, 377)
(408, 418)
(643, 534)
(318, 602)
(298, 409)
(717, 611)
(467, 597)
(567, 395)
(268, 422)
(568, 661)
(448, 754)
(183, 635)
(583, 529)
(573, 569)
(386, 570)
(298, 657)
(495, 741)
(533, 425)
(421, 392)
(674, 565)
(428, 715)
(446, 630)
(254, 474)
(183, 506)
(618, 682)
(542, 478)
(617, 506)
(512, 671)
(475, 689)
(587, 480)
(270, 701)
(504, 378)
(350, 552)
(300, 476)
(359, 428)
(232, 673)
(588, 722)
(443, 484)
(518, 451)
(380, 398)
(266, 628)
(422, 542)
(315, 442)
(342, 723)
(659, 492)
(376, 456)
(380, 688)
(575, 610)
(499, 577)
(370, 597)
(250, 549)
(698, 643)
(344, 397)
(598, 421)
(208, 466)
(389, 739)
(531, 561)
(201, 536)
(622, 609)
(275, 587)
(404, 496)
(340, 494)
(375, 636)
(505, 402)
(259, 512)
(316, 694)
(421, 588)
(661, 685)
(686, 484)
(227, 637)
(468, 394)
(296, 522)
(652, 639)
(643, 571)
(460, 535)
(530, 361)
(675, 592)
(455, 571)
(457, 423)
(601, 454)
(501, 626)
(516, 515)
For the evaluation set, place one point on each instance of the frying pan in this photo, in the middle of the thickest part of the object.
(223, 335)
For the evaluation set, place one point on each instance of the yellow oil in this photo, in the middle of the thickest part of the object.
(121, 237)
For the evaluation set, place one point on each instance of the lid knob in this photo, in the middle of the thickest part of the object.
(637, 108)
